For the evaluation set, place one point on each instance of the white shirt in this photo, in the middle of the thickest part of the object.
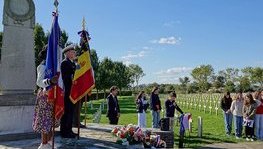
(41, 82)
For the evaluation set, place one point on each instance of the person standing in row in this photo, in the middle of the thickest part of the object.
(225, 105)
(258, 97)
(113, 111)
(236, 109)
(249, 112)
(67, 70)
(155, 107)
(170, 106)
(141, 105)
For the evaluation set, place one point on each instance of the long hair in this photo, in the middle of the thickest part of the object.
(139, 96)
(257, 95)
(154, 89)
(250, 100)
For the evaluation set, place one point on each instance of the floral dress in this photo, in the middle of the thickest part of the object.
(42, 119)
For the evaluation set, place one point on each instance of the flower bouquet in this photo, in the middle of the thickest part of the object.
(128, 135)
(132, 135)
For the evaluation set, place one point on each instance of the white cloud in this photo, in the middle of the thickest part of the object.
(127, 59)
(171, 23)
(172, 75)
(168, 40)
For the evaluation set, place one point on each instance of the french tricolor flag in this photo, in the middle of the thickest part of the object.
(53, 61)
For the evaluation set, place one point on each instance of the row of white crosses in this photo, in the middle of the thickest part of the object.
(201, 102)
(97, 114)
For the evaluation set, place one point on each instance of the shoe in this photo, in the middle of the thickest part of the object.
(247, 139)
(80, 126)
(251, 139)
(72, 133)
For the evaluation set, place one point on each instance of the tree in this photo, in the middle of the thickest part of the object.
(184, 82)
(40, 39)
(230, 86)
(121, 76)
(136, 73)
(244, 84)
(255, 75)
(230, 74)
(105, 74)
(63, 38)
(202, 75)
(219, 82)
(95, 66)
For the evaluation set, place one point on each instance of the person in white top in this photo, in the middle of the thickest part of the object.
(43, 114)
(236, 109)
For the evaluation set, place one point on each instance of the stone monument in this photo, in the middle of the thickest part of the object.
(17, 67)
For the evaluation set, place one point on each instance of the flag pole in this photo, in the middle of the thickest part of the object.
(85, 110)
(79, 102)
(55, 90)
(85, 106)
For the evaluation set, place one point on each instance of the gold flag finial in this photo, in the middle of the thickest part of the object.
(83, 23)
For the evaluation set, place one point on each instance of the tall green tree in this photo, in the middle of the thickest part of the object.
(244, 84)
(121, 75)
(40, 40)
(202, 75)
(255, 75)
(105, 74)
(184, 84)
(136, 73)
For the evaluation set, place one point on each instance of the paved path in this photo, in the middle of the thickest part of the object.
(91, 138)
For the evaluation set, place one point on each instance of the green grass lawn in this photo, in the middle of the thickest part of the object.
(213, 125)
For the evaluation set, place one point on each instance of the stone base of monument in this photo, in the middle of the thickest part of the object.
(16, 115)
(167, 136)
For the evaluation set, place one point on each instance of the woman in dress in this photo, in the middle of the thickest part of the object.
(43, 116)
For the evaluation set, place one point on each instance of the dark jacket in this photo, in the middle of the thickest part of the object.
(155, 100)
(170, 107)
(226, 103)
(67, 70)
(140, 106)
(113, 106)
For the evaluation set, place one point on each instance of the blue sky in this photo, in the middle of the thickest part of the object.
(167, 38)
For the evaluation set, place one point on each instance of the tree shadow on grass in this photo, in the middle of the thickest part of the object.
(196, 142)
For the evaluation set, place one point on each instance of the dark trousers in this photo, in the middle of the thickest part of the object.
(113, 120)
(67, 118)
(249, 131)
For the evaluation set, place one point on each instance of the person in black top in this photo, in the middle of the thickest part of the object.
(113, 111)
(170, 106)
(141, 105)
(225, 105)
(155, 107)
(67, 71)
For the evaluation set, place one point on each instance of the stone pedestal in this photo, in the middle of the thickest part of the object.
(17, 69)
(167, 136)
(16, 112)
